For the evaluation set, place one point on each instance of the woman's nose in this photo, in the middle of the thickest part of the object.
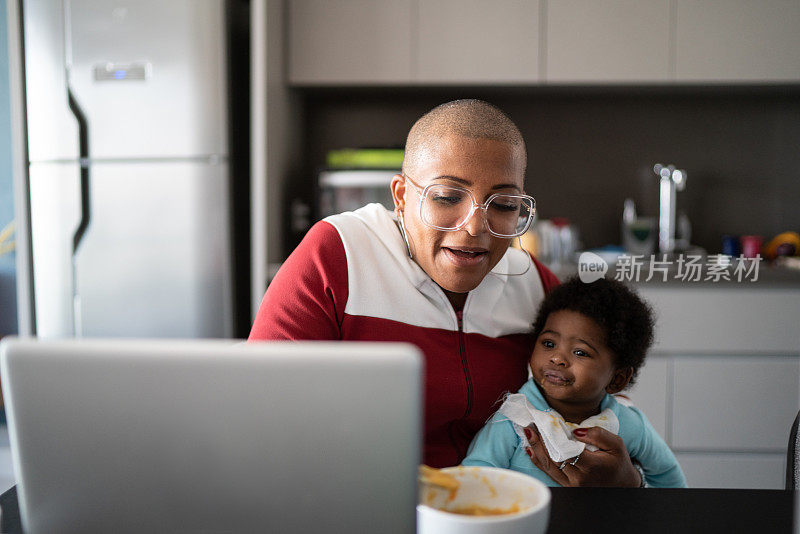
(476, 223)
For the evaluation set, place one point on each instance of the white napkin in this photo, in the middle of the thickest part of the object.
(555, 431)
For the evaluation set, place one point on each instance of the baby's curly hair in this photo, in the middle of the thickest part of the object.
(626, 319)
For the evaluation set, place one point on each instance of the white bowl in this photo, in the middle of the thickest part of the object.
(526, 499)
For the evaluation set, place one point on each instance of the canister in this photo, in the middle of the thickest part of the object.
(751, 245)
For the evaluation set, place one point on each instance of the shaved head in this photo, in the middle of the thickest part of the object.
(471, 118)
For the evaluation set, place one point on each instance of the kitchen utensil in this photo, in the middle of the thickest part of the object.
(639, 236)
(730, 245)
(751, 245)
(431, 476)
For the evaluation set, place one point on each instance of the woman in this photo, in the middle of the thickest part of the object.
(438, 272)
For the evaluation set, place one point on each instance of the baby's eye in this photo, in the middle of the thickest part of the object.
(579, 352)
(548, 344)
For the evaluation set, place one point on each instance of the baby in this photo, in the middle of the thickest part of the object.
(591, 340)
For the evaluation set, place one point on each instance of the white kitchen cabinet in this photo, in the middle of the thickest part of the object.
(623, 41)
(650, 392)
(725, 377)
(726, 418)
(733, 470)
(477, 42)
(350, 42)
(474, 41)
(7, 477)
(742, 318)
(734, 403)
(737, 40)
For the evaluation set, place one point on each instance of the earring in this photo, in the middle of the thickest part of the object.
(403, 232)
(528, 266)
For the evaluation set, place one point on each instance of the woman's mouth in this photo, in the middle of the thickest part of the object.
(465, 256)
(556, 378)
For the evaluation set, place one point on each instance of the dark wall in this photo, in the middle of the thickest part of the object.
(590, 148)
(237, 25)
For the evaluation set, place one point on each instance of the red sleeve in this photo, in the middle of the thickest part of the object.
(549, 280)
(306, 298)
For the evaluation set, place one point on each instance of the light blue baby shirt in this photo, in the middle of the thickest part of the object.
(497, 445)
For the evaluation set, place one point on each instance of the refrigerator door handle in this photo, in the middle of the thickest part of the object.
(86, 214)
(83, 135)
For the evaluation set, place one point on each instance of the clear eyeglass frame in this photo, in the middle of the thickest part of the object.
(423, 193)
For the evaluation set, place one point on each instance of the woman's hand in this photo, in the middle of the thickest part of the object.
(609, 465)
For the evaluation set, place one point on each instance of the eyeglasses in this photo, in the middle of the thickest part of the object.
(449, 207)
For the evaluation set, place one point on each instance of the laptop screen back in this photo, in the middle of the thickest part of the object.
(154, 436)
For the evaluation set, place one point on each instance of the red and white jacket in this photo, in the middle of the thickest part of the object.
(351, 279)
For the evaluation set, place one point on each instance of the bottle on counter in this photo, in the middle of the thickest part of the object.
(638, 233)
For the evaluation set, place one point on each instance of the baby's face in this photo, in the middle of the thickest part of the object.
(572, 363)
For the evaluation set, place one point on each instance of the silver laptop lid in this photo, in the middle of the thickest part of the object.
(206, 436)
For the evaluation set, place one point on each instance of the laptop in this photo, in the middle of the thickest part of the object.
(210, 436)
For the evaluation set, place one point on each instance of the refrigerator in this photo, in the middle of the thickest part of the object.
(127, 160)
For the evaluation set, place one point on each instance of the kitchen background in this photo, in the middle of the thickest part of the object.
(601, 91)
(589, 148)
(8, 301)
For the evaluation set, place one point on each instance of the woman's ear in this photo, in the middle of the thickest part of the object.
(398, 188)
(620, 380)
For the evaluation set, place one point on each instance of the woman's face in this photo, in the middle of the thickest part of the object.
(458, 261)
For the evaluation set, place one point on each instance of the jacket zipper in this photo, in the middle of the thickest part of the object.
(462, 351)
